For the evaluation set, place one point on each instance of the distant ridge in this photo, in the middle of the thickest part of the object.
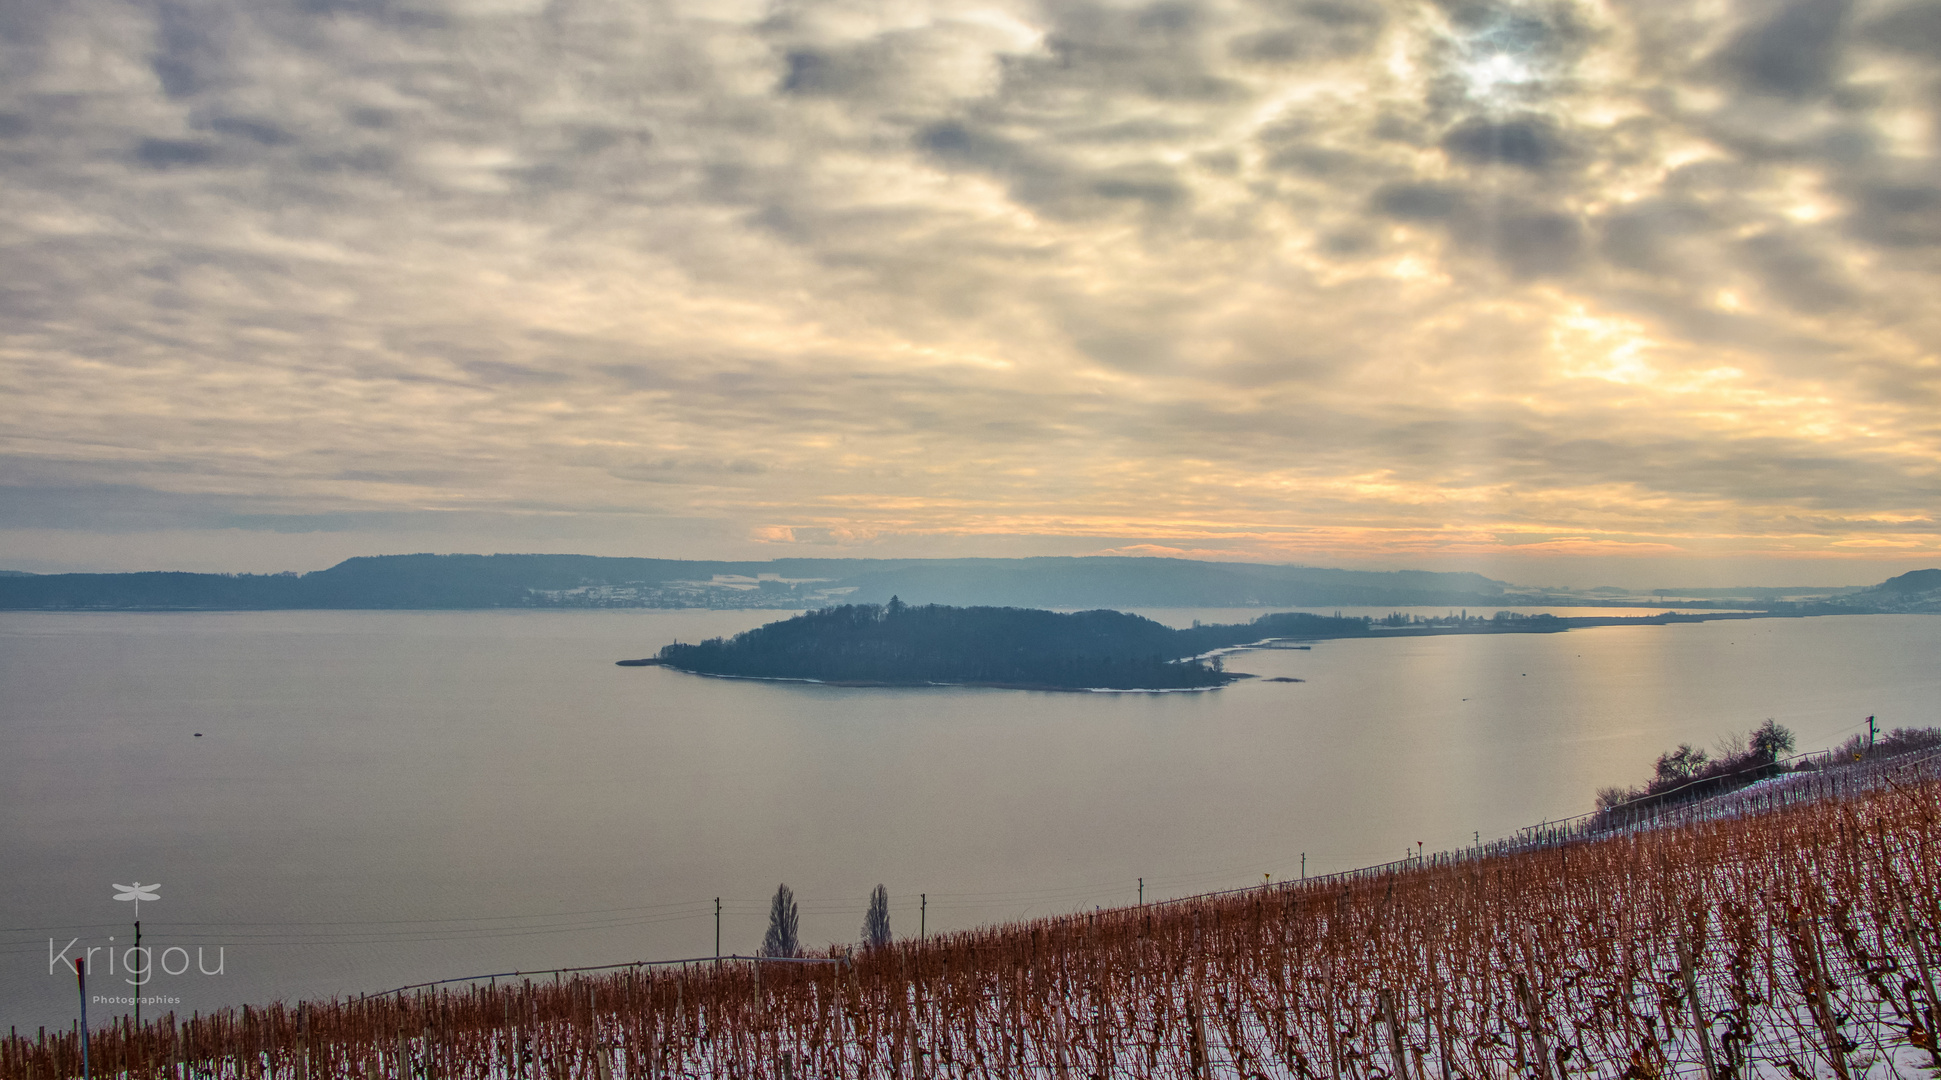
(1914, 591)
(1912, 582)
(472, 582)
(581, 581)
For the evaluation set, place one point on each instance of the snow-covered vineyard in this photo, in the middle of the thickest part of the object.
(1787, 942)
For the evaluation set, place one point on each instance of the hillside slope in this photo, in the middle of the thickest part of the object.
(1793, 942)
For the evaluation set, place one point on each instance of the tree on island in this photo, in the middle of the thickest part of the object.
(783, 919)
(876, 921)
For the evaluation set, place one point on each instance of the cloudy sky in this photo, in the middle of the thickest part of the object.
(1570, 291)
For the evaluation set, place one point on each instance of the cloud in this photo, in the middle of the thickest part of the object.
(1576, 547)
(1527, 142)
(1365, 274)
(1791, 53)
(1898, 214)
(1527, 240)
(1644, 235)
(1533, 244)
(1427, 202)
(169, 153)
(1315, 30)
(1796, 274)
(1050, 182)
(1913, 28)
(810, 534)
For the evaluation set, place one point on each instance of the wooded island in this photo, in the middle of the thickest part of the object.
(898, 644)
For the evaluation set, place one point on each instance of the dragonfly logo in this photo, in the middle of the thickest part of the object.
(137, 963)
(138, 892)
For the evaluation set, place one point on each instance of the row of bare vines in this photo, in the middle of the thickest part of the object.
(1793, 942)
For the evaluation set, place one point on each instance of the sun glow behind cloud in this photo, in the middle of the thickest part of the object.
(1327, 280)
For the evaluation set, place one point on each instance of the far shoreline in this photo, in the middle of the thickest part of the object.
(878, 684)
(1538, 624)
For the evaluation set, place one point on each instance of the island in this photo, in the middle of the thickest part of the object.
(898, 644)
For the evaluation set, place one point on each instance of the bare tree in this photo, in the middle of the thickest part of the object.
(781, 938)
(1682, 763)
(1770, 740)
(876, 923)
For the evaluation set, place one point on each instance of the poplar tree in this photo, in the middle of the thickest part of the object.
(783, 919)
(876, 923)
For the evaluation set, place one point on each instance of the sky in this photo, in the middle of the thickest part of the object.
(1632, 291)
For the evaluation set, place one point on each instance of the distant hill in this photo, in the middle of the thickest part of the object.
(897, 644)
(589, 581)
(583, 581)
(1912, 583)
(1914, 591)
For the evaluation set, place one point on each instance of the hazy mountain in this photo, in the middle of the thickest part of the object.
(1916, 590)
(578, 581)
(496, 581)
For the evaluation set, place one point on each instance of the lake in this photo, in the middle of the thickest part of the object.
(383, 798)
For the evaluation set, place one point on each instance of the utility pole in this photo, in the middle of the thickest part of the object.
(1303, 866)
(81, 984)
(1870, 733)
(923, 913)
(1142, 892)
(144, 973)
(717, 931)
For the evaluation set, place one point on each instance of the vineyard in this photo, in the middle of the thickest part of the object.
(1787, 940)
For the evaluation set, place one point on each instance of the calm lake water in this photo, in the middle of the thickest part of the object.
(383, 798)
